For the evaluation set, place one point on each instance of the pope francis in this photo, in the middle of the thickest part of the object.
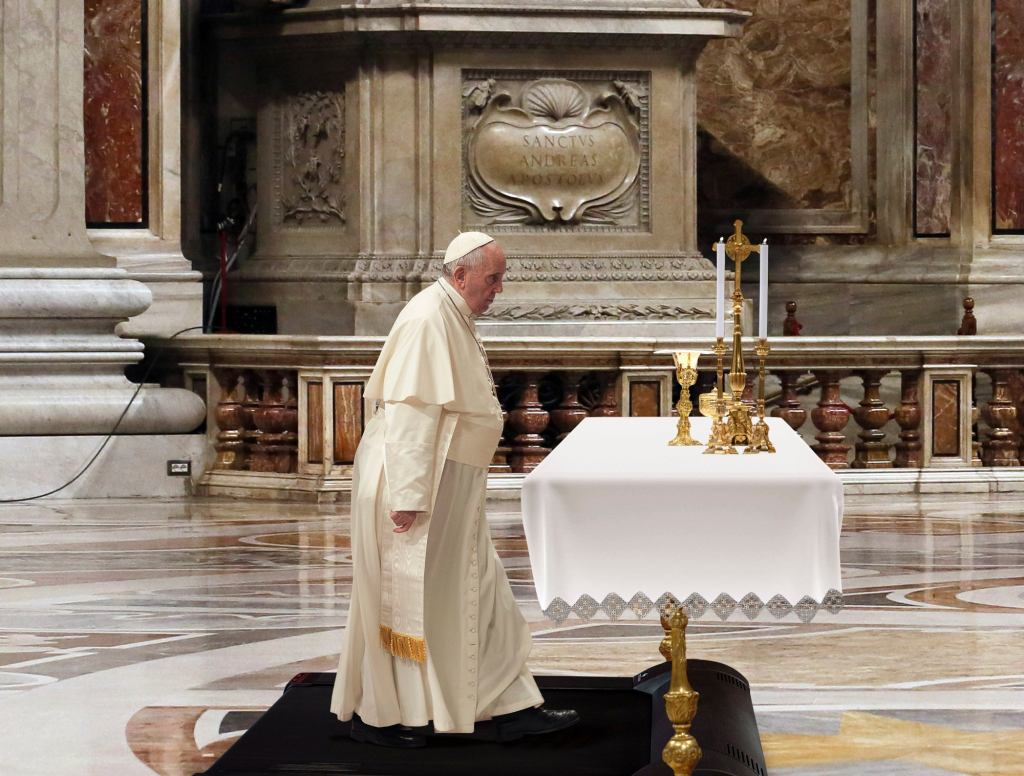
(435, 641)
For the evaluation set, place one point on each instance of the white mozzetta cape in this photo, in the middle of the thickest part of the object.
(433, 363)
(439, 404)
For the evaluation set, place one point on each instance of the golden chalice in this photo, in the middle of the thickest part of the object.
(707, 403)
(686, 373)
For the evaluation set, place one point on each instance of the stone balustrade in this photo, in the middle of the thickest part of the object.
(287, 412)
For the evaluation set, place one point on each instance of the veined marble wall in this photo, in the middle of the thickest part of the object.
(1008, 110)
(933, 70)
(774, 109)
(115, 185)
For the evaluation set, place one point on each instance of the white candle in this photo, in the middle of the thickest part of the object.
(720, 288)
(762, 301)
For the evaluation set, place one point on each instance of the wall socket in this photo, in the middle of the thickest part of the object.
(179, 468)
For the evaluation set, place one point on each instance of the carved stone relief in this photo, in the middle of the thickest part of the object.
(546, 269)
(309, 160)
(621, 311)
(566, 151)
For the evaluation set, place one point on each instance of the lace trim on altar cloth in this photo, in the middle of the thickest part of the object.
(695, 605)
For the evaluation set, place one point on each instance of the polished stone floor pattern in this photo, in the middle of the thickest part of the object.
(144, 637)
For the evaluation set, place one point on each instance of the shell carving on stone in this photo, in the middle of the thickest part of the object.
(557, 155)
(555, 99)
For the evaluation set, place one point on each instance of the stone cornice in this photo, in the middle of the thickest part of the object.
(797, 353)
(612, 18)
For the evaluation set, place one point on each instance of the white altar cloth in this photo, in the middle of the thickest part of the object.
(615, 518)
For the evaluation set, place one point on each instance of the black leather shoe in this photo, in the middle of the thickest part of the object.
(533, 722)
(395, 736)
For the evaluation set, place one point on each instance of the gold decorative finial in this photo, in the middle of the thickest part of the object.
(681, 753)
(738, 246)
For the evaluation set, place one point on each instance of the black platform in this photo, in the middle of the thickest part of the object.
(622, 733)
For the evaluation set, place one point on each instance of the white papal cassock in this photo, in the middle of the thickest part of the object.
(434, 632)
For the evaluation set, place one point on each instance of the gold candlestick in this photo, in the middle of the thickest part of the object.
(739, 416)
(759, 441)
(732, 424)
(682, 752)
(686, 373)
(719, 442)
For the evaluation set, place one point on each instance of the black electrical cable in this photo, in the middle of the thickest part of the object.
(215, 289)
(142, 382)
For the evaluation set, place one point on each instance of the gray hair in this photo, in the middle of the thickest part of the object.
(470, 260)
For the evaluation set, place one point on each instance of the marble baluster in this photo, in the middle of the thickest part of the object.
(569, 413)
(607, 405)
(277, 420)
(266, 419)
(830, 418)
(975, 417)
(908, 416)
(230, 444)
(499, 462)
(791, 326)
(254, 387)
(1001, 448)
(872, 451)
(528, 420)
(975, 436)
(789, 407)
(968, 324)
(288, 452)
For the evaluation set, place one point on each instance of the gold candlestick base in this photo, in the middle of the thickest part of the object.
(740, 425)
(720, 441)
(682, 437)
(686, 373)
(759, 441)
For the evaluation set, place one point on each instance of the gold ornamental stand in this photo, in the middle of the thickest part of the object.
(732, 424)
(759, 441)
(686, 373)
(682, 752)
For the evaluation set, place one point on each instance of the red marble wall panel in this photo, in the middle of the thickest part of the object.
(1008, 107)
(773, 108)
(315, 422)
(644, 399)
(348, 421)
(934, 137)
(946, 418)
(114, 117)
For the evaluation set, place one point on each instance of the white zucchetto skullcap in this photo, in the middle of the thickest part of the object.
(465, 242)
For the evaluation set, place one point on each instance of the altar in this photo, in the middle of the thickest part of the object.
(616, 520)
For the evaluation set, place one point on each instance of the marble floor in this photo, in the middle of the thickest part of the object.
(144, 637)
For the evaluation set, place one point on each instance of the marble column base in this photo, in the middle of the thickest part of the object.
(177, 304)
(72, 407)
(62, 365)
(176, 289)
(128, 467)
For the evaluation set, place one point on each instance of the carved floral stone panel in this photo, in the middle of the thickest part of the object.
(309, 160)
(545, 151)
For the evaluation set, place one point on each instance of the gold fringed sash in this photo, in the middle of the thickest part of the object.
(401, 645)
